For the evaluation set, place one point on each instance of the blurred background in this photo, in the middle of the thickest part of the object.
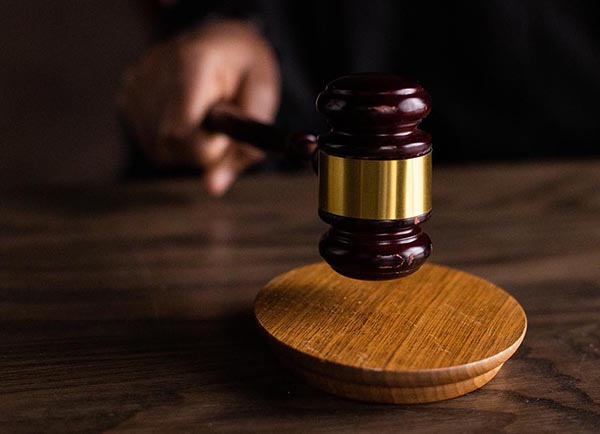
(510, 80)
(61, 67)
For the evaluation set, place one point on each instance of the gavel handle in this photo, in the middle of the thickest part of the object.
(229, 120)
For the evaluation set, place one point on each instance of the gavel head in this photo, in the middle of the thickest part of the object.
(374, 176)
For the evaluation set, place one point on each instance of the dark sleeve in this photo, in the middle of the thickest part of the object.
(184, 14)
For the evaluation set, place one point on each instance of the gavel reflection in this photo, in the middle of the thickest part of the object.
(374, 168)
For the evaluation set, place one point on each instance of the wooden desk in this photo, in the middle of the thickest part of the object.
(128, 309)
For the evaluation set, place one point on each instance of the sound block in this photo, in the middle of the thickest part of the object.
(436, 334)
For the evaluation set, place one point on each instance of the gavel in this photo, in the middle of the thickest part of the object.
(374, 168)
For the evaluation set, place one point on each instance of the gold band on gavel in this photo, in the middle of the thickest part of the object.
(375, 189)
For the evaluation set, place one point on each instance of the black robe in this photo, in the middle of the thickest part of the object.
(509, 79)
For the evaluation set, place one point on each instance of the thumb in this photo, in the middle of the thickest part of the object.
(221, 176)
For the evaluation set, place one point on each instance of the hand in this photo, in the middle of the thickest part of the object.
(168, 93)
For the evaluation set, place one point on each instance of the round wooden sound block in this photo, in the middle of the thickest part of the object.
(436, 334)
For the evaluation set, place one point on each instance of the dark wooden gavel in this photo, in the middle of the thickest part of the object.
(374, 168)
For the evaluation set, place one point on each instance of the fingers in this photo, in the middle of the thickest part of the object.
(223, 159)
(258, 95)
(168, 94)
(207, 149)
(193, 92)
(219, 178)
(258, 98)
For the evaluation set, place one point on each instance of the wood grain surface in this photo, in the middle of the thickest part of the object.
(127, 309)
(434, 335)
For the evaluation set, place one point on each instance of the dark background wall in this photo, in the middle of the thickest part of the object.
(61, 63)
(531, 93)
